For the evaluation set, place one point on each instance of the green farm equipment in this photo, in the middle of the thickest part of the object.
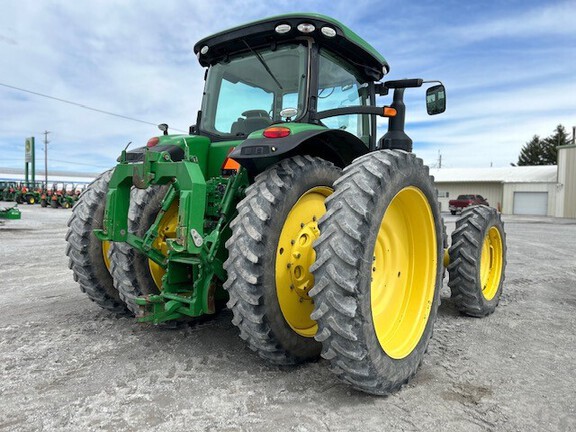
(10, 213)
(66, 199)
(76, 192)
(60, 196)
(46, 195)
(323, 240)
(29, 193)
(3, 185)
(10, 191)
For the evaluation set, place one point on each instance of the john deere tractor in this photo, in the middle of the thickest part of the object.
(323, 239)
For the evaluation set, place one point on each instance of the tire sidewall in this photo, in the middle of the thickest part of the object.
(493, 220)
(418, 178)
(315, 175)
(142, 223)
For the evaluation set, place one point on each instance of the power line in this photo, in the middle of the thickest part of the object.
(77, 163)
(83, 106)
(61, 161)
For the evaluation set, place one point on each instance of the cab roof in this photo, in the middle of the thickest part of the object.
(262, 33)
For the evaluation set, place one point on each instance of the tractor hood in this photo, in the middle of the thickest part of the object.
(283, 28)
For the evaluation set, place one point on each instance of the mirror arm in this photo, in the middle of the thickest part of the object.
(360, 109)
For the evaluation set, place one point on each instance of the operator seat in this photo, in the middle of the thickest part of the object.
(255, 120)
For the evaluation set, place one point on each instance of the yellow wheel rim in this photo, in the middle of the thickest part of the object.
(166, 230)
(105, 249)
(404, 273)
(295, 255)
(32, 200)
(491, 263)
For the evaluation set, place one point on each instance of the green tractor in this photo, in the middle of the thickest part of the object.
(47, 195)
(3, 186)
(281, 201)
(10, 191)
(61, 196)
(29, 193)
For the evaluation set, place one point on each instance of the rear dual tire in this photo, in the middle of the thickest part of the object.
(270, 250)
(88, 256)
(130, 269)
(378, 271)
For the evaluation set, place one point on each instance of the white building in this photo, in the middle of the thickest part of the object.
(547, 190)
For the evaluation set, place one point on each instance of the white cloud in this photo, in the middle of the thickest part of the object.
(506, 73)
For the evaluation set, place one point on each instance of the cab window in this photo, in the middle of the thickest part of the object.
(339, 86)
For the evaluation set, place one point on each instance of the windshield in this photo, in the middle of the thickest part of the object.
(248, 93)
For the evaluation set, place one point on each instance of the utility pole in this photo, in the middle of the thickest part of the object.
(46, 158)
(573, 135)
(439, 159)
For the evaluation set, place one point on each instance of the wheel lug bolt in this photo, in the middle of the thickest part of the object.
(302, 225)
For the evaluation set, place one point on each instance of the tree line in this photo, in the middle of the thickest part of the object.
(542, 151)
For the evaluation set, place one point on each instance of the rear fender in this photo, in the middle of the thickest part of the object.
(337, 146)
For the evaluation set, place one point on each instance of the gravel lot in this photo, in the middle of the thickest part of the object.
(65, 364)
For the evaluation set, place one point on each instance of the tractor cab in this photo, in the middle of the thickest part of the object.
(305, 79)
(287, 69)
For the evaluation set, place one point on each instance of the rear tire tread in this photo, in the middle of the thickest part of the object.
(246, 247)
(336, 294)
(123, 256)
(93, 281)
(464, 267)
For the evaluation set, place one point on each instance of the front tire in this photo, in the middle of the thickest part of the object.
(270, 252)
(378, 271)
(477, 261)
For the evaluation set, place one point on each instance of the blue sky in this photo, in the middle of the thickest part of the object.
(509, 67)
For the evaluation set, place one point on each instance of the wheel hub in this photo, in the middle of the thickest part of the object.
(491, 263)
(403, 273)
(302, 256)
(166, 230)
(295, 255)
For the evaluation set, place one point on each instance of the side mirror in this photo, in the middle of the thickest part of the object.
(436, 99)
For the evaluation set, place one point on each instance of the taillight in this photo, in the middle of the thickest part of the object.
(276, 132)
(152, 142)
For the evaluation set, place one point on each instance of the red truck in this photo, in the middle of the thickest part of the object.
(464, 201)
